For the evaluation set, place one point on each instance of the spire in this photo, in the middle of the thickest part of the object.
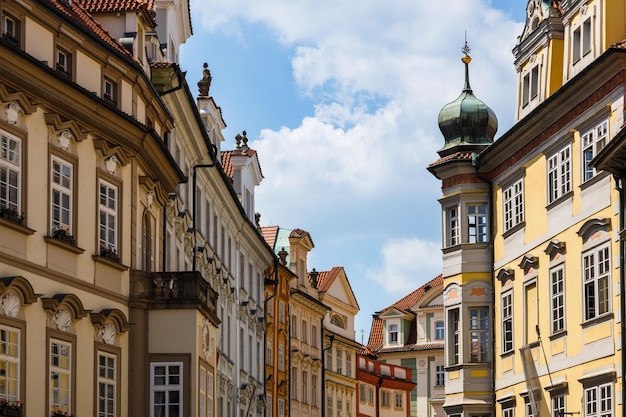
(467, 123)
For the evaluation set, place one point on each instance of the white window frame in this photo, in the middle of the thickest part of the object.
(507, 322)
(440, 375)
(596, 271)
(281, 357)
(61, 195)
(348, 364)
(582, 40)
(281, 407)
(557, 299)
(559, 167)
(270, 352)
(385, 398)
(477, 223)
(60, 360)
(305, 387)
(454, 341)
(513, 204)
(10, 172)
(393, 334)
(10, 343)
(453, 232)
(530, 85)
(478, 334)
(598, 401)
(107, 383)
(508, 412)
(108, 207)
(398, 400)
(557, 403)
(592, 142)
(167, 386)
(440, 330)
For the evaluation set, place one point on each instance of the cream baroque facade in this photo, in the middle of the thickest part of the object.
(123, 227)
(551, 223)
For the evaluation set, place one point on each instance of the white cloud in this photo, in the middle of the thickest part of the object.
(406, 264)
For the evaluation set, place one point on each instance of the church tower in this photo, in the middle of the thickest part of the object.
(468, 126)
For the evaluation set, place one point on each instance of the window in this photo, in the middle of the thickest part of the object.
(592, 142)
(362, 393)
(64, 63)
(339, 408)
(384, 398)
(339, 359)
(107, 384)
(508, 412)
(294, 327)
(281, 357)
(530, 86)
(559, 183)
(507, 322)
(305, 387)
(329, 405)
(599, 401)
(439, 330)
(528, 407)
(558, 406)
(581, 41)
(108, 216)
(202, 393)
(294, 383)
(393, 333)
(513, 197)
(455, 334)
(477, 223)
(370, 395)
(398, 403)
(61, 183)
(9, 363)
(270, 352)
(10, 172)
(60, 376)
(596, 269)
(314, 336)
(348, 408)
(304, 332)
(479, 334)
(328, 362)
(557, 297)
(452, 221)
(348, 364)
(281, 312)
(440, 376)
(110, 91)
(12, 29)
(166, 389)
(281, 408)
(314, 390)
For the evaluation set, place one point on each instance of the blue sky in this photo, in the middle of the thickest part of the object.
(340, 100)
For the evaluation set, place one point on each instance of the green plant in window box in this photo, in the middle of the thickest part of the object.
(109, 253)
(11, 215)
(60, 413)
(64, 236)
(11, 408)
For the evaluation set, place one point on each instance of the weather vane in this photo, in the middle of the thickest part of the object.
(466, 49)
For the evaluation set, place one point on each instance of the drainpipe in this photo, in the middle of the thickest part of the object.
(476, 165)
(622, 275)
(331, 338)
(275, 283)
(193, 198)
(378, 386)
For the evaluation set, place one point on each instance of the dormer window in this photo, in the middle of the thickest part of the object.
(530, 86)
(393, 334)
(110, 91)
(64, 63)
(12, 30)
(439, 330)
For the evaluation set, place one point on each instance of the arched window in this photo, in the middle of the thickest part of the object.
(337, 321)
(146, 242)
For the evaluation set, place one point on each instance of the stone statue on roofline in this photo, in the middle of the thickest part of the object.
(205, 83)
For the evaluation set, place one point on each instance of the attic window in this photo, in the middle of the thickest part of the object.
(337, 321)
(393, 333)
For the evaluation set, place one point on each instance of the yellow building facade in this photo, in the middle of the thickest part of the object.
(550, 248)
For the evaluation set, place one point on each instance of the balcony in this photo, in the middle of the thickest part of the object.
(172, 290)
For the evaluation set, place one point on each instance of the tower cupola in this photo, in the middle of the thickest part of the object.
(467, 123)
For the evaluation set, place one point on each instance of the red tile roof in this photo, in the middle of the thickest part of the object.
(326, 278)
(270, 233)
(82, 17)
(375, 341)
(299, 233)
(457, 156)
(147, 7)
(228, 155)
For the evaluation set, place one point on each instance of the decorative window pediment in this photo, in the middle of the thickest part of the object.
(529, 263)
(591, 226)
(505, 274)
(64, 309)
(59, 124)
(21, 286)
(555, 247)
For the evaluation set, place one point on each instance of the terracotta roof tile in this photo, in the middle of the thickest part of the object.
(147, 7)
(299, 233)
(375, 341)
(270, 233)
(457, 156)
(409, 347)
(227, 159)
(326, 278)
(82, 17)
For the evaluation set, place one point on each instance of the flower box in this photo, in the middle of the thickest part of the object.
(64, 236)
(11, 215)
(110, 254)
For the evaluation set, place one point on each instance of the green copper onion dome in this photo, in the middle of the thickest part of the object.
(467, 123)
